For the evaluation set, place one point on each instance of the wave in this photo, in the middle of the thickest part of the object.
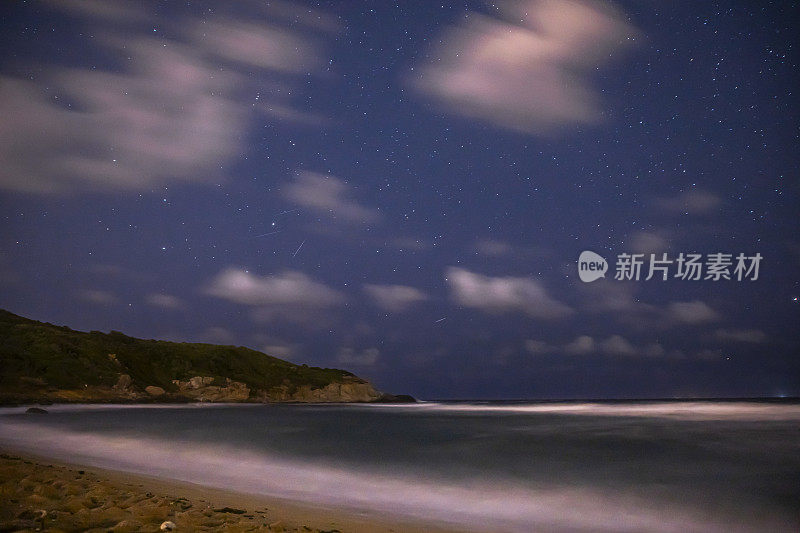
(678, 410)
(89, 407)
(476, 504)
(674, 410)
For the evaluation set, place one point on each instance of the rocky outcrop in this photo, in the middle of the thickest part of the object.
(123, 383)
(202, 389)
(208, 389)
(58, 364)
(350, 390)
(396, 398)
(123, 389)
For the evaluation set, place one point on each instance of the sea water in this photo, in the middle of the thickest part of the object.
(492, 466)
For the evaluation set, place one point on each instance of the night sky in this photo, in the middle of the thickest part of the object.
(403, 189)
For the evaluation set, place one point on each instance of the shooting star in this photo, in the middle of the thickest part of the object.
(287, 212)
(265, 234)
(437, 321)
(298, 249)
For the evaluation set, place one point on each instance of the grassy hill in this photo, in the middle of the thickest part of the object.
(41, 356)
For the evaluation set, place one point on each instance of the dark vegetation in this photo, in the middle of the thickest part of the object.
(38, 354)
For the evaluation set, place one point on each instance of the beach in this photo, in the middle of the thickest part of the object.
(39, 494)
(515, 467)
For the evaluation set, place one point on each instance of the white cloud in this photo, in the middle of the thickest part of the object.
(349, 356)
(582, 345)
(101, 9)
(274, 346)
(287, 297)
(327, 195)
(741, 335)
(280, 351)
(499, 294)
(394, 297)
(710, 354)
(175, 111)
(217, 335)
(530, 72)
(648, 242)
(617, 345)
(654, 350)
(537, 347)
(619, 301)
(694, 312)
(98, 296)
(693, 202)
(291, 288)
(259, 45)
(310, 318)
(493, 248)
(165, 301)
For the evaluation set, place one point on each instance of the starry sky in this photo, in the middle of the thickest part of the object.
(403, 189)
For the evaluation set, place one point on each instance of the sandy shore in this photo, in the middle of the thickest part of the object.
(37, 492)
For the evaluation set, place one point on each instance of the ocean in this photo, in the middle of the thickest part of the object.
(658, 466)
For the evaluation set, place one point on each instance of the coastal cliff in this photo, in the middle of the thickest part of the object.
(41, 362)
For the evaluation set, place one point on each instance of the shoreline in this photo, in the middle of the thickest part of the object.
(128, 469)
(87, 497)
(25, 401)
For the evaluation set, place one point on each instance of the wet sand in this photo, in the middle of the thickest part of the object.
(39, 494)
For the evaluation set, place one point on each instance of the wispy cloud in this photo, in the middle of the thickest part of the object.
(101, 9)
(289, 288)
(289, 297)
(99, 297)
(620, 301)
(693, 312)
(493, 248)
(217, 335)
(583, 344)
(349, 356)
(164, 301)
(648, 242)
(261, 45)
(173, 110)
(693, 202)
(618, 297)
(755, 336)
(327, 195)
(394, 298)
(281, 351)
(500, 294)
(537, 347)
(528, 71)
(615, 346)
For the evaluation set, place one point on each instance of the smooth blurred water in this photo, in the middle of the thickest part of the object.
(619, 466)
